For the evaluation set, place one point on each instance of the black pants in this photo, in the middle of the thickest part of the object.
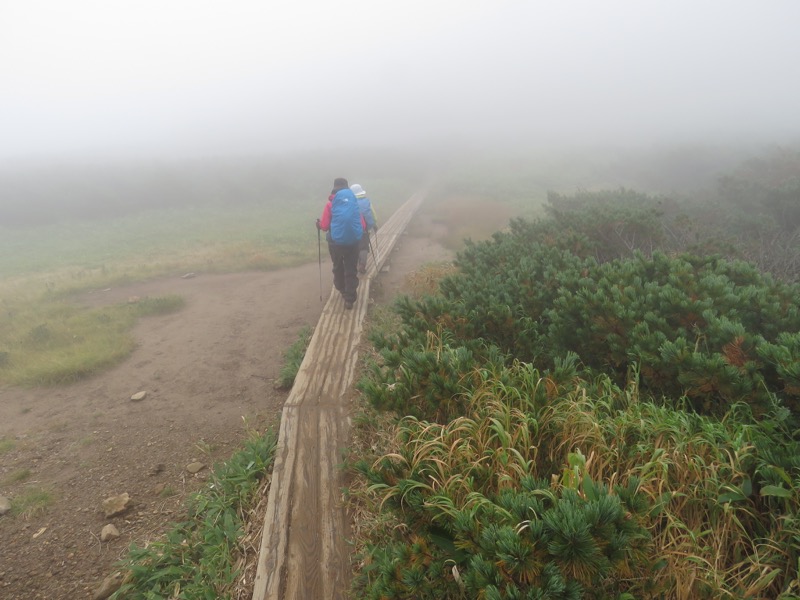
(345, 269)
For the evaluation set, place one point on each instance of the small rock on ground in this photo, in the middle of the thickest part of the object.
(109, 585)
(109, 532)
(116, 505)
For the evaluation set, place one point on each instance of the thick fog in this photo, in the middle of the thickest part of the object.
(198, 77)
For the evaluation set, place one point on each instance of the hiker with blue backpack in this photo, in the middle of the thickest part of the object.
(342, 220)
(370, 224)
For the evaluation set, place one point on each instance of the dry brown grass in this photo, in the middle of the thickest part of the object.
(425, 281)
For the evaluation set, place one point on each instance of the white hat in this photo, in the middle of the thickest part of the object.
(358, 190)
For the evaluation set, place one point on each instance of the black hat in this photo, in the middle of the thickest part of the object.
(340, 183)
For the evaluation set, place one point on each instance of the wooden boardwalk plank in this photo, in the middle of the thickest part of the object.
(304, 553)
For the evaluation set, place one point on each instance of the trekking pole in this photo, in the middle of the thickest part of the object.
(319, 252)
(374, 259)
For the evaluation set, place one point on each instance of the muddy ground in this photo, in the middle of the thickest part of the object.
(208, 372)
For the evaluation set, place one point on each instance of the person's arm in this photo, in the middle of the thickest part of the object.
(325, 220)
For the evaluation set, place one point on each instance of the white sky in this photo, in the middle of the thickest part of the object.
(85, 77)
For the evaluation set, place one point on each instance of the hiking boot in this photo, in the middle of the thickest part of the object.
(348, 305)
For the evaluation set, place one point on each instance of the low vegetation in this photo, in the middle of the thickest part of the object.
(199, 557)
(17, 476)
(293, 358)
(51, 340)
(602, 403)
(31, 502)
(6, 445)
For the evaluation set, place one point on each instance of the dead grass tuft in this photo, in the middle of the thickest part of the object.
(425, 281)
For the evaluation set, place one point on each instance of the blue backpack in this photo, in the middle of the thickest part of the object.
(345, 218)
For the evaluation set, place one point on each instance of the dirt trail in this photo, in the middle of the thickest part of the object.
(208, 371)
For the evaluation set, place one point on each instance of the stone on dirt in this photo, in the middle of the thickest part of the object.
(195, 467)
(5, 505)
(139, 396)
(116, 505)
(108, 586)
(109, 532)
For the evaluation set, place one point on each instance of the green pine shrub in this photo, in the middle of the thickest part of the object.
(611, 224)
(713, 504)
(694, 325)
(555, 364)
(701, 327)
(480, 521)
(426, 380)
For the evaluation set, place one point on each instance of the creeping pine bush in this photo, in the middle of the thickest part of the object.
(696, 326)
(528, 543)
(715, 331)
(548, 376)
(521, 497)
(482, 523)
(611, 224)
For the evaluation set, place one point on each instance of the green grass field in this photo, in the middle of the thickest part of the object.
(47, 339)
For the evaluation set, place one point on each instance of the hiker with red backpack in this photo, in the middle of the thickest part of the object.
(344, 226)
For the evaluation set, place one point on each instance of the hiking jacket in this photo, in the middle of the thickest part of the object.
(368, 213)
(342, 219)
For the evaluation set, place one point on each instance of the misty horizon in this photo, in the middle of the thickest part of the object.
(86, 79)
